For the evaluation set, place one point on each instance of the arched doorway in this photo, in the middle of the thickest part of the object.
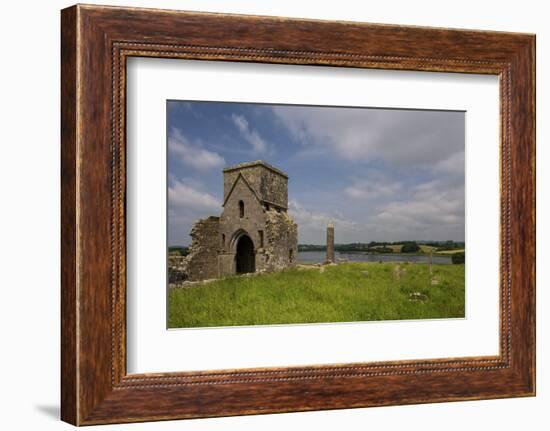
(245, 260)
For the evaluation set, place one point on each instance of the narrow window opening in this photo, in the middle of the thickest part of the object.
(223, 240)
(261, 235)
(290, 255)
(241, 209)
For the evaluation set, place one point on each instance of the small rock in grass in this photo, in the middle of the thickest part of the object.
(417, 297)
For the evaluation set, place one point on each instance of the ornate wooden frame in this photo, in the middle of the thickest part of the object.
(95, 43)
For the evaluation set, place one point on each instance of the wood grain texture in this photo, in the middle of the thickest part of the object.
(69, 367)
(96, 41)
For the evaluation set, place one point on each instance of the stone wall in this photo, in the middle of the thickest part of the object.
(274, 188)
(281, 241)
(202, 260)
(232, 224)
(178, 269)
(231, 220)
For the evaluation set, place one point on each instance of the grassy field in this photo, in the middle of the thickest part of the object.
(345, 292)
(451, 251)
(427, 248)
(396, 248)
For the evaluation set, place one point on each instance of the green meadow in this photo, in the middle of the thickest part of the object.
(347, 292)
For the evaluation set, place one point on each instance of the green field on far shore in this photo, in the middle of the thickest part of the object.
(346, 292)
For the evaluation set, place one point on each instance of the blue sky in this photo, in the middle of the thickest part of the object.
(378, 174)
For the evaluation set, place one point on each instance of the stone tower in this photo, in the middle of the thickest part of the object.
(330, 242)
(254, 233)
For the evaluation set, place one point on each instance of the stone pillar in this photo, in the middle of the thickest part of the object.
(330, 243)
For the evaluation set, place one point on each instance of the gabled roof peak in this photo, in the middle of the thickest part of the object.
(240, 177)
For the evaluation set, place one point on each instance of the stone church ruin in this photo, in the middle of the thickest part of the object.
(254, 232)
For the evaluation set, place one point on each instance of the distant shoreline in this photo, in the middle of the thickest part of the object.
(447, 248)
(419, 253)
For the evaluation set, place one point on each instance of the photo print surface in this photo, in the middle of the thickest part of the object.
(295, 214)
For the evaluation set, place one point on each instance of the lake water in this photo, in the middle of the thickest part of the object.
(320, 256)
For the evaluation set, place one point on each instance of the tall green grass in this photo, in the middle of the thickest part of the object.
(347, 292)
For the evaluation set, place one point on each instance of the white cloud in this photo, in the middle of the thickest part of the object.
(372, 189)
(188, 106)
(398, 137)
(259, 146)
(426, 210)
(310, 223)
(185, 196)
(192, 154)
(452, 165)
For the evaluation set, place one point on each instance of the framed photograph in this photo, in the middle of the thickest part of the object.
(264, 214)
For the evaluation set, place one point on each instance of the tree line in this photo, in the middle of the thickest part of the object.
(384, 246)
